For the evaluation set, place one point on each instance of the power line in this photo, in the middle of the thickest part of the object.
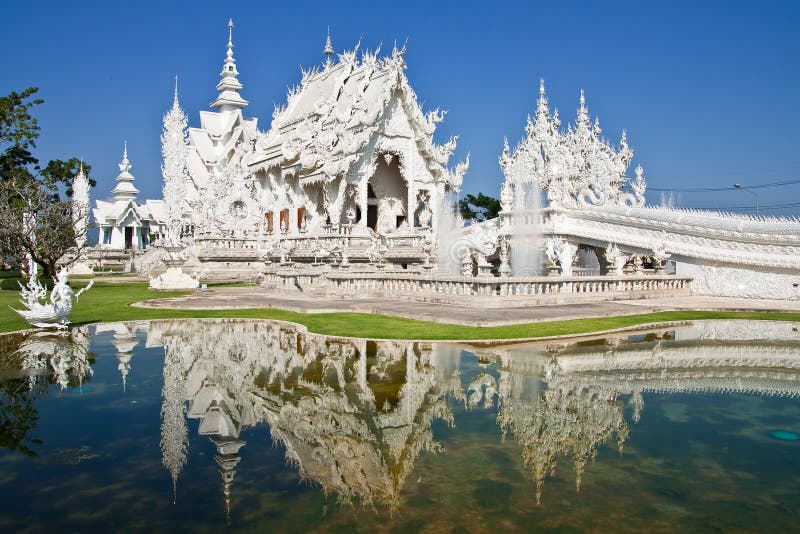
(751, 208)
(718, 189)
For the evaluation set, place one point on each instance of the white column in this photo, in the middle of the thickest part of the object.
(363, 200)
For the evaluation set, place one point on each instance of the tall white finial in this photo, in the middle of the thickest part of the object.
(328, 51)
(229, 98)
(125, 189)
(80, 199)
(175, 98)
(582, 122)
(542, 111)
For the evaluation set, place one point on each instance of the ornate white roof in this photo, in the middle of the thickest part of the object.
(124, 204)
(330, 118)
(576, 167)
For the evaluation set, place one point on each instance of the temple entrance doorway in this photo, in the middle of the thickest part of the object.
(128, 237)
(387, 195)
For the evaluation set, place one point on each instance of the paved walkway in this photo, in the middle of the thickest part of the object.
(227, 298)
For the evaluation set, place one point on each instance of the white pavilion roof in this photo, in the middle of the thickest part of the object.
(329, 119)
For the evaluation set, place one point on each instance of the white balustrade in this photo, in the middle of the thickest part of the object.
(411, 285)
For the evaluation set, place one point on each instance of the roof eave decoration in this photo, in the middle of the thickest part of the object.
(336, 131)
(576, 167)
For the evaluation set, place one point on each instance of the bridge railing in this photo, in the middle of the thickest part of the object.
(415, 286)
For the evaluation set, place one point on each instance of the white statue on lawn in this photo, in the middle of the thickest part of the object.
(54, 314)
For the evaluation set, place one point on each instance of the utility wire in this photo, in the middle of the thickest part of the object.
(717, 189)
(752, 208)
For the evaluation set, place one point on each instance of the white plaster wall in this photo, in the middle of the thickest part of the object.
(751, 283)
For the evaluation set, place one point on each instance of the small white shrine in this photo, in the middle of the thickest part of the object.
(125, 224)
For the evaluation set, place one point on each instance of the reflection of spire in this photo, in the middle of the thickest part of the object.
(124, 367)
(241, 374)
(636, 402)
(227, 459)
(174, 433)
(124, 341)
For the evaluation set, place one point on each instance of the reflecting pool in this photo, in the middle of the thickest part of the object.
(201, 425)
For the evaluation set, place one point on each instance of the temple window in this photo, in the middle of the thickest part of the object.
(284, 220)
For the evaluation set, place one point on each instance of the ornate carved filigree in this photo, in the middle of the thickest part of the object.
(52, 314)
(174, 169)
(576, 167)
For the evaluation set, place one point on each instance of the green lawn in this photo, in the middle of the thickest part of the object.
(111, 302)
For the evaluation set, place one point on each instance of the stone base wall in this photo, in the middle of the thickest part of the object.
(740, 282)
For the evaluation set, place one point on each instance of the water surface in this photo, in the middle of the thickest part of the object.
(198, 425)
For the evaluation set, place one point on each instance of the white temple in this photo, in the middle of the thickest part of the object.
(348, 194)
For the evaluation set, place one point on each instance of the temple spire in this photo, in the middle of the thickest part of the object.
(583, 113)
(175, 97)
(80, 199)
(542, 110)
(328, 51)
(125, 190)
(229, 98)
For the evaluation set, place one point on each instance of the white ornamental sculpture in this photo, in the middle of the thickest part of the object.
(80, 206)
(52, 314)
(562, 253)
(174, 168)
(616, 259)
(174, 279)
(80, 220)
(577, 167)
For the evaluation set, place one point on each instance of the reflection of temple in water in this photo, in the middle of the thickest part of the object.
(353, 415)
(565, 400)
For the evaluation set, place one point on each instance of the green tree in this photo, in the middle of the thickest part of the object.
(35, 219)
(479, 208)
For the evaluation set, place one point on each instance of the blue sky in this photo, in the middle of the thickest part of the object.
(708, 92)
